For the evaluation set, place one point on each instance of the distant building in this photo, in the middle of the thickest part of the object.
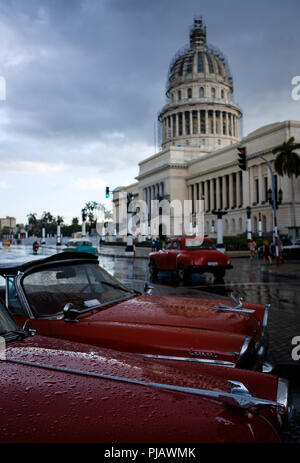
(200, 129)
(8, 223)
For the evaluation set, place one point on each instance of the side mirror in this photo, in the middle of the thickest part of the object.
(70, 313)
(28, 330)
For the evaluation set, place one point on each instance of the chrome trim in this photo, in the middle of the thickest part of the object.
(267, 367)
(223, 363)
(265, 319)
(239, 396)
(236, 308)
(283, 392)
(244, 348)
(22, 296)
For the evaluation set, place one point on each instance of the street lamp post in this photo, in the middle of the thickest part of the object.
(219, 215)
(249, 232)
(274, 201)
(259, 225)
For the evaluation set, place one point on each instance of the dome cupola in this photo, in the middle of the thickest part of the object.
(200, 111)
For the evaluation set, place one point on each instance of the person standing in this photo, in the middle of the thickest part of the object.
(252, 248)
(267, 252)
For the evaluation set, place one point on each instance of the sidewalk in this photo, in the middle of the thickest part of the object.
(143, 253)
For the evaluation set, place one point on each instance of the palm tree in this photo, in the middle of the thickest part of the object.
(32, 218)
(287, 162)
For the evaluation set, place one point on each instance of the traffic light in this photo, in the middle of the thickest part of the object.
(242, 154)
(107, 192)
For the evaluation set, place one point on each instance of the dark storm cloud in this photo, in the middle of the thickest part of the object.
(77, 71)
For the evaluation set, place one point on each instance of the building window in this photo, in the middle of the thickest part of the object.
(190, 93)
(179, 95)
(213, 92)
(200, 62)
(222, 94)
(210, 64)
(257, 190)
(240, 224)
(219, 142)
(266, 188)
(190, 64)
(201, 92)
(203, 141)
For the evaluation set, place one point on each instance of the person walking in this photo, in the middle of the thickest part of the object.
(267, 252)
(252, 248)
(153, 245)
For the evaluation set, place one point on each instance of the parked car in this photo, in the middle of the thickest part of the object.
(80, 245)
(61, 391)
(290, 250)
(187, 255)
(70, 296)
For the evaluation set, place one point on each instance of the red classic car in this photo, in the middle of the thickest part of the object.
(187, 255)
(70, 296)
(61, 391)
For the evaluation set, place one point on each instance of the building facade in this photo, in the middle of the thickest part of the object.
(200, 136)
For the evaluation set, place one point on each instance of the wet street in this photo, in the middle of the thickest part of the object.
(246, 280)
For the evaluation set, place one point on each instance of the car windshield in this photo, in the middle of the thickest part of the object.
(7, 324)
(84, 285)
(199, 244)
(286, 242)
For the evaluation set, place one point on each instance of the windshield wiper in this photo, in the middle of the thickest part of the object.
(113, 285)
(20, 333)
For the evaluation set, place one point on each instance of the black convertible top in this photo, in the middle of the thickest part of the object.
(12, 268)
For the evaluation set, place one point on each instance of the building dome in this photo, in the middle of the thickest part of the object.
(198, 62)
(200, 111)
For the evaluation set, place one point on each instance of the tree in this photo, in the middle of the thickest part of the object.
(287, 162)
(32, 218)
(75, 221)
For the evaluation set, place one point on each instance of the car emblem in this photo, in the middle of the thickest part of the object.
(199, 353)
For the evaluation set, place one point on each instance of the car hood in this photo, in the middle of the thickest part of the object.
(76, 358)
(177, 312)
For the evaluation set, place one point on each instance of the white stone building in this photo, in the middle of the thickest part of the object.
(200, 137)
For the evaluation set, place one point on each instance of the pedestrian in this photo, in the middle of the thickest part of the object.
(153, 245)
(267, 252)
(157, 243)
(252, 248)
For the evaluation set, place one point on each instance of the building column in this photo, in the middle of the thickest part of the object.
(224, 191)
(218, 193)
(205, 196)
(171, 117)
(214, 122)
(238, 190)
(177, 125)
(227, 126)
(198, 121)
(212, 202)
(221, 122)
(231, 201)
(260, 183)
(206, 121)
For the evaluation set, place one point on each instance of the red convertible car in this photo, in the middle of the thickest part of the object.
(187, 255)
(61, 391)
(70, 296)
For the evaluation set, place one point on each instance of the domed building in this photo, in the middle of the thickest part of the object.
(198, 159)
(200, 111)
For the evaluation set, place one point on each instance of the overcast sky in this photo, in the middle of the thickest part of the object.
(85, 80)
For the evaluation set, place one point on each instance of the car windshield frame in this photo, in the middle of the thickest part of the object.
(124, 292)
(8, 326)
